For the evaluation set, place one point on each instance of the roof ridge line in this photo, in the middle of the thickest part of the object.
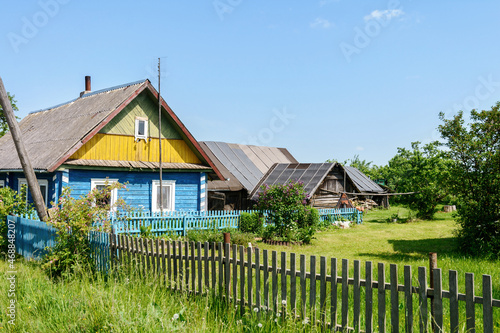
(90, 94)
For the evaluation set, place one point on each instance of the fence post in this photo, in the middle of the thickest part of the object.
(432, 266)
(184, 225)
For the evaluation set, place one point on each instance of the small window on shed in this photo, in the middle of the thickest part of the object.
(2, 184)
(141, 128)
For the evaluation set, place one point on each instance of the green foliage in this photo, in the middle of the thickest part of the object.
(475, 178)
(239, 237)
(4, 127)
(424, 170)
(208, 235)
(251, 223)
(11, 203)
(288, 212)
(73, 220)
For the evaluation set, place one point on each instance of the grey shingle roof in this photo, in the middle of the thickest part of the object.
(49, 134)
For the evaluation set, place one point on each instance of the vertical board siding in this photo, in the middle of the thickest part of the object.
(139, 186)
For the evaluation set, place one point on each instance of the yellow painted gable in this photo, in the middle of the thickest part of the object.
(116, 141)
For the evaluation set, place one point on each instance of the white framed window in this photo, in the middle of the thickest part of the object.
(141, 128)
(44, 188)
(2, 184)
(168, 187)
(100, 183)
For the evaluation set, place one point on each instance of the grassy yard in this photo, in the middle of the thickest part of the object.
(131, 304)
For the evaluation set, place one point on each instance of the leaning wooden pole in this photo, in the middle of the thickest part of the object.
(33, 186)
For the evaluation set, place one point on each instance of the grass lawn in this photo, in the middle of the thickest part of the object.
(131, 304)
(403, 244)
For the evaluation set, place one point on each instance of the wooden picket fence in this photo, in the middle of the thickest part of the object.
(256, 281)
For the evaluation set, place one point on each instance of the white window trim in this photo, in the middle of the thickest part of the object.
(154, 194)
(2, 183)
(94, 182)
(146, 123)
(44, 182)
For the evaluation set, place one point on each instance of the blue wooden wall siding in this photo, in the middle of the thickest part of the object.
(12, 180)
(203, 192)
(139, 187)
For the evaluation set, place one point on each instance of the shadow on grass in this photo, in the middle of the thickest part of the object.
(417, 249)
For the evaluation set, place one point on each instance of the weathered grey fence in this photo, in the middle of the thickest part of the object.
(255, 279)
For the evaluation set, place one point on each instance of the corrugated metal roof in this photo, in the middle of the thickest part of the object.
(244, 163)
(361, 181)
(310, 174)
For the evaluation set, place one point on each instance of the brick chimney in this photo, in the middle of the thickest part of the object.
(87, 86)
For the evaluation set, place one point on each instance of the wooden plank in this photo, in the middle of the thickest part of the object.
(242, 281)
(206, 266)
(257, 282)
(368, 297)
(322, 291)
(470, 312)
(454, 317)
(345, 293)
(283, 285)
(357, 296)
(212, 261)
(147, 254)
(221, 268)
(143, 262)
(303, 295)
(186, 265)
(266, 279)
(193, 269)
(394, 298)
(487, 304)
(200, 268)
(129, 246)
(227, 271)
(138, 256)
(169, 265)
(274, 274)
(438, 299)
(293, 285)
(422, 299)
(249, 278)
(333, 294)
(181, 268)
(158, 257)
(408, 299)
(235, 272)
(312, 289)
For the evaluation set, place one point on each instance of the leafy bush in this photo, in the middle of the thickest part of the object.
(288, 211)
(475, 178)
(208, 235)
(240, 238)
(251, 223)
(73, 219)
(11, 203)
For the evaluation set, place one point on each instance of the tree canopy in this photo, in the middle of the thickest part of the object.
(475, 178)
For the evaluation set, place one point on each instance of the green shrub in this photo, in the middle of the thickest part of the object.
(288, 211)
(73, 220)
(11, 203)
(240, 238)
(251, 223)
(208, 235)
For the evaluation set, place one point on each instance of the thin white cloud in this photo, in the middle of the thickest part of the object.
(359, 148)
(320, 23)
(386, 14)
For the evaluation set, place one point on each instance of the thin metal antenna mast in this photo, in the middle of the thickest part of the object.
(159, 138)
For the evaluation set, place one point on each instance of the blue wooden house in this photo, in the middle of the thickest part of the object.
(112, 135)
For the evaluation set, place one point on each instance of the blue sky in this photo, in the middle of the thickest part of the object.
(325, 79)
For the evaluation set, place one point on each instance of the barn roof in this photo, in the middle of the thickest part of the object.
(52, 135)
(310, 174)
(363, 183)
(242, 165)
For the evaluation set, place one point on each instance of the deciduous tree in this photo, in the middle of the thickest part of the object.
(475, 178)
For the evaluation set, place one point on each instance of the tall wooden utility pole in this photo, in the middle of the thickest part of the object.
(33, 186)
(159, 138)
